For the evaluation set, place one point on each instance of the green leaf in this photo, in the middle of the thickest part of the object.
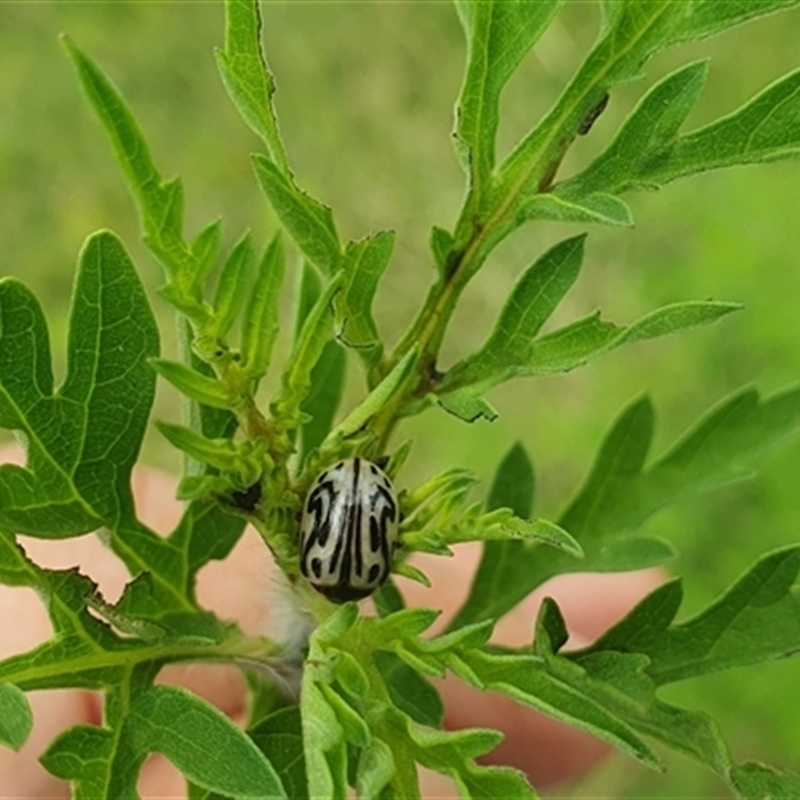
(755, 781)
(323, 742)
(160, 202)
(441, 243)
(84, 437)
(757, 619)
(409, 690)
(232, 286)
(296, 378)
(307, 221)
(205, 248)
(375, 401)
(631, 34)
(375, 769)
(196, 386)
(534, 298)
(324, 396)
(354, 727)
(589, 338)
(765, 129)
(279, 736)
(597, 207)
(222, 454)
(620, 493)
(204, 744)
(260, 322)
(246, 76)
(707, 17)
(718, 450)
(513, 487)
(451, 753)
(327, 376)
(467, 405)
(551, 631)
(502, 525)
(16, 719)
(84, 755)
(647, 135)
(364, 263)
(562, 691)
(648, 151)
(498, 37)
(513, 484)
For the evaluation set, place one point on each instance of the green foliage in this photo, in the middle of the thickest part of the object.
(367, 716)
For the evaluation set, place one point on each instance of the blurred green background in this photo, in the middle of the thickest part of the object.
(365, 95)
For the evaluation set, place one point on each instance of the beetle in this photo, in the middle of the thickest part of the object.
(348, 530)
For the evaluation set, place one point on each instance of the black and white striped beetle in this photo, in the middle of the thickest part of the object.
(348, 531)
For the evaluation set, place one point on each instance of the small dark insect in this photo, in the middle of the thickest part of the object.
(248, 498)
(594, 112)
(348, 532)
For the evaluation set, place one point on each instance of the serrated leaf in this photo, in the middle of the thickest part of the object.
(620, 493)
(307, 221)
(363, 263)
(631, 34)
(196, 386)
(16, 569)
(587, 339)
(16, 719)
(512, 487)
(232, 285)
(160, 202)
(758, 618)
(406, 623)
(495, 782)
(296, 378)
(470, 637)
(204, 744)
(260, 321)
(246, 76)
(765, 129)
(467, 405)
(566, 695)
(83, 438)
(350, 675)
(83, 755)
(719, 449)
(411, 572)
(451, 753)
(647, 135)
